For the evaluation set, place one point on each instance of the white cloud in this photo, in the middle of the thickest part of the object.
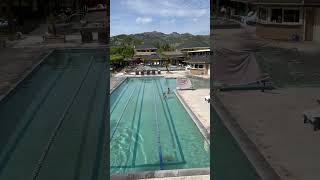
(195, 19)
(173, 8)
(143, 20)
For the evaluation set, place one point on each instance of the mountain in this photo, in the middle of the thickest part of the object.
(174, 39)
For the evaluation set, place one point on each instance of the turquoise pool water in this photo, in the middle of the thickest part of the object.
(52, 125)
(150, 132)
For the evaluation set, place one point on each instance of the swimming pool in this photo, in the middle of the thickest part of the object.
(151, 132)
(53, 124)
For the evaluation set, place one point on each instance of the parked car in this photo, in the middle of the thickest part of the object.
(3, 23)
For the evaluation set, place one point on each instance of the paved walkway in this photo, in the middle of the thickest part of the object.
(195, 101)
(274, 122)
(15, 63)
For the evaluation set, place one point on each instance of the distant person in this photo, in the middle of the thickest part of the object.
(168, 90)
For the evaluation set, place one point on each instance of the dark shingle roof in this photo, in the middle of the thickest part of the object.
(152, 57)
(198, 59)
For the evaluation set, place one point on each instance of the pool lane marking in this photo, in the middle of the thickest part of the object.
(158, 129)
(173, 126)
(118, 99)
(132, 123)
(55, 132)
(86, 124)
(124, 109)
(138, 128)
(166, 117)
(26, 125)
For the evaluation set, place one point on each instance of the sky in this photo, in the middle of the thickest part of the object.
(167, 16)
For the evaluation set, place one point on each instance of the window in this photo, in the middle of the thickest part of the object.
(263, 13)
(276, 15)
(200, 66)
(196, 65)
(291, 15)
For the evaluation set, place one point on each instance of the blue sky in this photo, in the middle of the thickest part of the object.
(167, 16)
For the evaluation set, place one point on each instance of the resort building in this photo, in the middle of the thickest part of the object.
(199, 61)
(287, 19)
(148, 55)
(174, 57)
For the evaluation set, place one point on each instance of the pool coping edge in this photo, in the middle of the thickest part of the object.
(25, 75)
(249, 148)
(161, 174)
(195, 119)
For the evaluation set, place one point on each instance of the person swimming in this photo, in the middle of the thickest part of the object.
(168, 90)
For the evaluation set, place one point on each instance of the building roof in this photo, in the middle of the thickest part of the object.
(204, 59)
(200, 50)
(152, 57)
(144, 53)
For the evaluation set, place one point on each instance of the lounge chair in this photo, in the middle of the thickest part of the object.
(153, 72)
(207, 98)
(312, 117)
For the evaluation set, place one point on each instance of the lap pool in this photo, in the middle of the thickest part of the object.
(53, 124)
(151, 132)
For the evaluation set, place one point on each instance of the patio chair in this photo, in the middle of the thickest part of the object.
(142, 72)
(159, 71)
(153, 72)
(137, 72)
(148, 72)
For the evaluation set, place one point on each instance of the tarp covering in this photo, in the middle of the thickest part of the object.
(184, 83)
(234, 67)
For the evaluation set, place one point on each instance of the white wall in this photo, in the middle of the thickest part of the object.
(316, 26)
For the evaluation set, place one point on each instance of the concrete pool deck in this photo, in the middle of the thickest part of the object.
(195, 100)
(15, 64)
(274, 122)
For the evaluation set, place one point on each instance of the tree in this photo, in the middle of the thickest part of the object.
(52, 22)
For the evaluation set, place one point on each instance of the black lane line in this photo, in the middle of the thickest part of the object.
(174, 128)
(166, 117)
(52, 137)
(133, 120)
(116, 103)
(138, 128)
(157, 128)
(79, 162)
(124, 109)
(21, 134)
